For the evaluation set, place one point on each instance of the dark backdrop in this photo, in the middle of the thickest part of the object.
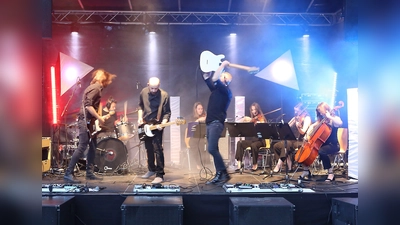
(124, 50)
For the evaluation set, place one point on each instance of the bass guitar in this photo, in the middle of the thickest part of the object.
(210, 62)
(144, 130)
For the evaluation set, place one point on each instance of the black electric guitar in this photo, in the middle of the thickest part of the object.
(144, 130)
(94, 125)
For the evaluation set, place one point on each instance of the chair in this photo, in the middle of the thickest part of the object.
(264, 152)
(340, 158)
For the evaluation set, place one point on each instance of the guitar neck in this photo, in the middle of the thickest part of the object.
(247, 68)
(153, 127)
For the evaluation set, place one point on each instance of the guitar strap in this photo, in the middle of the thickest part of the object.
(160, 106)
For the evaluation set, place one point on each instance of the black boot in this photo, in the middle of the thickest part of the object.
(220, 178)
(69, 177)
(90, 173)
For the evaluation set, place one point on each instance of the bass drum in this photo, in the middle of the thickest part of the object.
(110, 154)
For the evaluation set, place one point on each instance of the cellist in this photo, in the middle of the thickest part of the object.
(331, 145)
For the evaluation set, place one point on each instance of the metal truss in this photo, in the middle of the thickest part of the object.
(195, 18)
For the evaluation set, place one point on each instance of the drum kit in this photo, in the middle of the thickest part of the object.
(112, 153)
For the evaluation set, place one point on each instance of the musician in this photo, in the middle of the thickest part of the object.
(255, 143)
(218, 103)
(331, 145)
(198, 145)
(299, 125)
(108, 129)
(154, 107)
(90, 104)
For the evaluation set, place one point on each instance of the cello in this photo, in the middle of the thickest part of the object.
(318, 135)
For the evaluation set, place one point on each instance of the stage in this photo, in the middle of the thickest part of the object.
(99, 202)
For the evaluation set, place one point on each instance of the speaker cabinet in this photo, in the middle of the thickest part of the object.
(46, 154)
(344, 211)
(166, 210)
(265, 211)
(58, 210)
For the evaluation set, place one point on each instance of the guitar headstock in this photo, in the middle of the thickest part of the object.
(253, 70)
(209, 61)
(180, 121)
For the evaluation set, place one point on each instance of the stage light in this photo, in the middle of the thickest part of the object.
(74, 28)
(53, 94)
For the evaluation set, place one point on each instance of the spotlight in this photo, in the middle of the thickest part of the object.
(74, 28)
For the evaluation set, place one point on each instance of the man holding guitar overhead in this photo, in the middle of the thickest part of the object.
(325, 128)
(154, 108)
(86, 123)
(218, 83)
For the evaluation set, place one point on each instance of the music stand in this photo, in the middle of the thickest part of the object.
(241, 129)
(196, 130)
(285, 133)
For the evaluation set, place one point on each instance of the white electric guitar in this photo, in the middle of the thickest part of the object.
(210, 62)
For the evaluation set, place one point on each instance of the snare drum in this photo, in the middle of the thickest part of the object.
(125, 131)
(110, 154)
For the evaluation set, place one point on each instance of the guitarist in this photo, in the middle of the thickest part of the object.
(154, 108)
(88, 114)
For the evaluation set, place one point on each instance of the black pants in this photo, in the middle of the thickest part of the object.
(155, 153)
(279, 149)
(254, 144)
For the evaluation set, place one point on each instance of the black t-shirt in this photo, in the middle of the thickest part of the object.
(109, 124)
(218, 102)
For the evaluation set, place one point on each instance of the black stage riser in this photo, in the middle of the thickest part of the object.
(310, 209)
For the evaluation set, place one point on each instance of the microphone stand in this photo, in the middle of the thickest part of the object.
(62, 115)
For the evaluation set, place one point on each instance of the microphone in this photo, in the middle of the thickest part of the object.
(79, 82)
(137, 85)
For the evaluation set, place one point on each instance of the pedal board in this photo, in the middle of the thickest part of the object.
(67, 188)
(263, 188)
(155, 188)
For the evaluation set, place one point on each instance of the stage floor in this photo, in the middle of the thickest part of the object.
(99, 202)
(193, 181)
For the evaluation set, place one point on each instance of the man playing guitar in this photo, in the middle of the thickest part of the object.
(86, 119)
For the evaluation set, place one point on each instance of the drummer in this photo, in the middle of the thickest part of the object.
(108, 129)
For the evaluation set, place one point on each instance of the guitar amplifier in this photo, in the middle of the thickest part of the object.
(46, 154)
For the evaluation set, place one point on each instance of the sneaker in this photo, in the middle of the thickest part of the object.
(71, 179)
(148, 174)
(157, 180)
(220, 178)
(93, 177)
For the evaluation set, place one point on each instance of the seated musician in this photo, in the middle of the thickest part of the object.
(111, 119)
(255, 143)
(197, 145)
(299, 125)
(331, 145)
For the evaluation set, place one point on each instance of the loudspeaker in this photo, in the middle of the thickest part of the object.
(344, 211)
(58, 210)
(265, 211)
(46, 154)
(46, 18)
(166, 210)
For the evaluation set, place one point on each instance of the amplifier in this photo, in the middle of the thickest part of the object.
(46, 154)
(58, 210)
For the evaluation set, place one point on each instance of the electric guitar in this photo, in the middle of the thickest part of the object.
(94, 125)
(144, 130)
(210, 62)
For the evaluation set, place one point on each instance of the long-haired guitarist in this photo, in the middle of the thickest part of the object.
(331, 145)
(88, 114)
(154, 107)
